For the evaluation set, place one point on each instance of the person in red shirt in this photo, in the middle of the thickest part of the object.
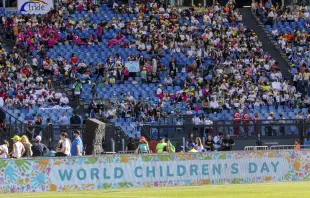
(25, 71)
(74, 59)
(256, 119)
(246, 121)
(237, 121)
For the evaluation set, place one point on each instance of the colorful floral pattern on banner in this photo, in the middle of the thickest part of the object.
(127, 171)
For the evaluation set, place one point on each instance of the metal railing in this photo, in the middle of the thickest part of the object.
(274, 147)
(256, 148)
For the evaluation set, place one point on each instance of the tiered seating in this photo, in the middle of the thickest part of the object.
(290, 27)
(25, 115)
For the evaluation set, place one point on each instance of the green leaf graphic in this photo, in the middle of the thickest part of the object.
(91, 160)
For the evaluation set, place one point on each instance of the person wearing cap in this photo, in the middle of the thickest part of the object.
(182, 149)
(192, 148)
(38, 149)
(4, 150)
(77, 144)
(161, 145)
(18, 147)
(159, 91)
(143, 146)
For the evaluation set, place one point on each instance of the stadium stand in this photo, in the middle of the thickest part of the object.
(193, 61)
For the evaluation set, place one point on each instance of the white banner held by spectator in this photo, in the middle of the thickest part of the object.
(133, 66)
(35, 6)
(276, 85)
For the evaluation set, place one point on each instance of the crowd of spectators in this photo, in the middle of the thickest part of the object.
(293, 40)
(22, 147)
(223, 61)
(241, 75)
(216, 143)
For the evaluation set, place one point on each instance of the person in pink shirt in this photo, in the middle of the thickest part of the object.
(125, 73)
(79, 7)
(118, 40)
(77, 40)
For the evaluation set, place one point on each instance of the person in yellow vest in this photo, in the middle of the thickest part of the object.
(161, 145)
(192, 148)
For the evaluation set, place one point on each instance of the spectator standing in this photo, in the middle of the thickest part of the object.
(143, 146)
(198, 146)
(77, 90)
(18, 147)
(270, 130)
(188, 141)
(38, 149)
(75, 119)
(192, 148)
(236, 118)
(182, 149)
(282, 124)
(4, 150)
(161, 145)
(64, 145)
(227, 143)
(210, 145)
(27, 146)
(297, 145)
(218, 141)
(77, 144)
(246, 121)
(170, 147)
(307, 139)
(131, 146)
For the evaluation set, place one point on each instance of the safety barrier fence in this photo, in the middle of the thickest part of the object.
(275, 147)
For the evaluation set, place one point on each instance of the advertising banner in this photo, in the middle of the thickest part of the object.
(35, 6)
(127, 171)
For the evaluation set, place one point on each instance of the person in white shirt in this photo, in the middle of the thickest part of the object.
(196, 120)
(63, 100)
(4, 151)
(218, 141)
(64, 145)
(159, 90)
(58, 95)
(18, 147)
(168, 80)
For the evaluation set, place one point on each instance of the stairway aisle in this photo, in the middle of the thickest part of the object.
(251, 23)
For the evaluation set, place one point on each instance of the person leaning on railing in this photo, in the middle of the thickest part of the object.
(297, 145)
(143, 146)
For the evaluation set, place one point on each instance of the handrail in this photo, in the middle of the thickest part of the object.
(7, 113)
(283, 147)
